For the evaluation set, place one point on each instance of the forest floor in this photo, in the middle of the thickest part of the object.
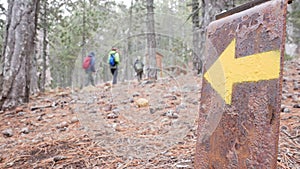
(128, 125)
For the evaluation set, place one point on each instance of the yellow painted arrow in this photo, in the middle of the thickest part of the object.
(228, 70)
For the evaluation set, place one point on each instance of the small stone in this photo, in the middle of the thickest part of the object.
(184, 164)
(103, 96)
(285, 91)
(116, 111)
(112, 116)
(18, 109)
(59, 158)
(25, 130)
(289, 95)
(169, 96)
(10, 164)
(173, 98)
(40, 118)
(295, 98)
(93, 111)
(171, 114)
(152, 110)
(62, 125)
(107, 108)
(285, 79)
(131, 100)
(63, 129)
(21, 113)
(118, 128)
(8, 132)
(174, 116)
(296, 106)
(286, 110)
(136, 94)
(146, 82)
(124, 102)
(50, 116)
(74, 120)
(181, 166)
(296, 85)
(141, 102)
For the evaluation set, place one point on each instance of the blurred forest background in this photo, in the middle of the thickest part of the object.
(65, 31)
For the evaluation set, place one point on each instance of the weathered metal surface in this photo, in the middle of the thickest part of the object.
(240, 8)
(241, 90)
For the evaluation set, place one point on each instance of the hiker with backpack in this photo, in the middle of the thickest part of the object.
(139, 68)
(114, 61)
(89, 67)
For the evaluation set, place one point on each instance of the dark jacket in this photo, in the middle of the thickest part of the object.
(92, 63)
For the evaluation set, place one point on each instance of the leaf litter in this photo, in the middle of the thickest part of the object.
(103, 127)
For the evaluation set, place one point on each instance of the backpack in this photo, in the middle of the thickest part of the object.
(112, 61)
(138, 66)
(86, 62)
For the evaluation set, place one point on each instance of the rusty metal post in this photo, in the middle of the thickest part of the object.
(241, 89)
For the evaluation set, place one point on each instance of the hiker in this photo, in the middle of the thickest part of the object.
(89, 66)
(114, 61)
(139, 68)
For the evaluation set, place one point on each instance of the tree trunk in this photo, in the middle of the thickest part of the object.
(83, 52)
(209, 10)
(151, 42)
(35, 74)
(39, 61)
(17, 52)
(292, 46)
(128, 48)
(197, 63)
(45, 45)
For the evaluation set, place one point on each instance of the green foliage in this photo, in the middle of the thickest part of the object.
(293, 20)
(288, 57)
(74, 24)
(78, 26)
